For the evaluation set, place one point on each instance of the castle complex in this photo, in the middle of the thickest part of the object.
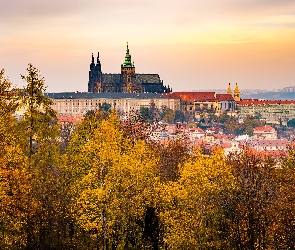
(125, 82)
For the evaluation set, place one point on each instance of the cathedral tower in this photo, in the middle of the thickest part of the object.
(95, 76)
(128, 79)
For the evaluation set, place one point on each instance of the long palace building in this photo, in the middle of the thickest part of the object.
(125, 82)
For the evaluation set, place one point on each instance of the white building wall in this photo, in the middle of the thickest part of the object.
(79, 107)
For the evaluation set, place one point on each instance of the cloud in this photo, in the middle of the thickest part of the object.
(18, 13)
(258, 8)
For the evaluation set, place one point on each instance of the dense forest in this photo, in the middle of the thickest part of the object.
(104, 185)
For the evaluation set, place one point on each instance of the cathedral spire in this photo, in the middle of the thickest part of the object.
(92, 64)
(98, 58)
(128, 62)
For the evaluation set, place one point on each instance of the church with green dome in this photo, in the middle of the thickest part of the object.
(126, 82)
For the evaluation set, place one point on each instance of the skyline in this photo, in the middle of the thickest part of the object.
(190, 44)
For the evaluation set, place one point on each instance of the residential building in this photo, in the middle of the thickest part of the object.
(271, 145)
(277, 111)
(265, 132)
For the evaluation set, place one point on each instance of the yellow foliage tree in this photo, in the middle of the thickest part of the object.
(117, 188)
(190, 207)
(14, 176)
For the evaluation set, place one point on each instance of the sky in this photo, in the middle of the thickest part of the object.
(191, 44)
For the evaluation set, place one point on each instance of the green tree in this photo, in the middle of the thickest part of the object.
(39, 115)
(41, 145)
(169, 116)
(145, 113)
(179, 116)
(105, 106)
(291, 123)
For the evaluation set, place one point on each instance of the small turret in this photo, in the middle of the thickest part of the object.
(237, 93)
(229, 91)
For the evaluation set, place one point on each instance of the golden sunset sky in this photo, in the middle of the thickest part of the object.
(192, 44)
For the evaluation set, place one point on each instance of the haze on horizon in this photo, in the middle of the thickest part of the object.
(191, 44)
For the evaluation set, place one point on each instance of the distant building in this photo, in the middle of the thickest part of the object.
(273, 111)
(196, 133)
(271, 145)
(289, 89)
(78, 104)
(126, 82)
(226, 102)
(265, 132)
(194, 104)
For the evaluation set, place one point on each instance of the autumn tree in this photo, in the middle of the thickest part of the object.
(251, 206)
(115, 190)
(8, 96)
(14, 175)
(172, 154)
(284, 230)
(190, 207)
(40, 143)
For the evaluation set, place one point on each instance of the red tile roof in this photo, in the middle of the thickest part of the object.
(224, 97)
(265, 128)
(73, 119)
(249, 102)
(193, 96)
(197, 130)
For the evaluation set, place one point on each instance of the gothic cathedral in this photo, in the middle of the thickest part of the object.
(127, 81)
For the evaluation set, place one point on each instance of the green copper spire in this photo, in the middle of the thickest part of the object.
(127, 63)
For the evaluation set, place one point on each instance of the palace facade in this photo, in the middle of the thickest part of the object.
(125, 82)
(78, 104)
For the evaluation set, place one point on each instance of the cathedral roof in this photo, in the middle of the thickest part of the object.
(148, 78)
(139, 78)
(111, 78)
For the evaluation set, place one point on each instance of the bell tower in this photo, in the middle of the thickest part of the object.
(229, 91)
(95, 76)
(237, 93)
(98, 84)
(128, 83)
